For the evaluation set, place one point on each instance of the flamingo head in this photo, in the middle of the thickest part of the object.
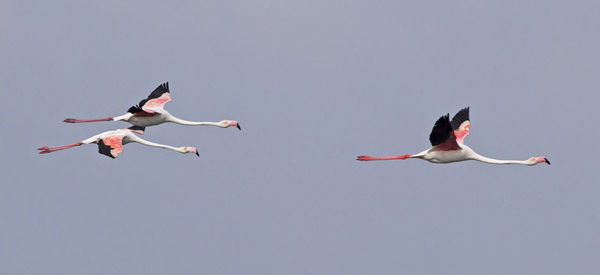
(229, 123)
(536, 160)
(189, 149)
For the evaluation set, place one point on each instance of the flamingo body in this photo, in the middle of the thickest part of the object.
(447, 140)
(111, 143)
(150, 111)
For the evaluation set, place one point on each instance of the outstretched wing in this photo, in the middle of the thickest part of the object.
(461, 125)
(442, 137)
(111, 146)
(441, 130)
(155, 101)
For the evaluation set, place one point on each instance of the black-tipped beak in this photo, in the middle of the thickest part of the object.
(197, 153)
(547, 161)
(239, 127)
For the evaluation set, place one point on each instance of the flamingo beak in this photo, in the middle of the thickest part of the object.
(547, 161)
(197, 153)
(239, 127)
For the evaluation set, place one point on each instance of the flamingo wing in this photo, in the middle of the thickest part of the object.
(137, 129)
(441, 131)
(442, 137)
(154, 102)
(461, 125)
(111, 146)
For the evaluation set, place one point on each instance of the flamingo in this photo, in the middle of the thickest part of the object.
(447, 138)
(111, 143)
(150, 111)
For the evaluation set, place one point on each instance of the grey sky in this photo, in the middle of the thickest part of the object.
(314, 84)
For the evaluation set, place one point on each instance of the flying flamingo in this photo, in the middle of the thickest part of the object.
(447, 139)
(111, 143)
(151, 112)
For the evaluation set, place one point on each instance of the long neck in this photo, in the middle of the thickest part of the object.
(193, 123)
(481, 158)
(149, 143)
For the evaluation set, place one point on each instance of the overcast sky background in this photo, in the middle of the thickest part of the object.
(314, 84)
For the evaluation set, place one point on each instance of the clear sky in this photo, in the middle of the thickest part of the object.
(314, 84)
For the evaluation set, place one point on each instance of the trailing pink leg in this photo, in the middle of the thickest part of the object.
(368, 158)
(47, 149)
(73, 120)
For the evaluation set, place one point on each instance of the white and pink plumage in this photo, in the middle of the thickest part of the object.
(447, 138)
(111, 143)
(150, 112)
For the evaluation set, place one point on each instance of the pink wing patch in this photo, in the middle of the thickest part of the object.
(462, 132)
(156, 104)
(116, 143)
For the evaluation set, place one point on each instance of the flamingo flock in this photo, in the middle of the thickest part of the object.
(149, 112)
(447, 136)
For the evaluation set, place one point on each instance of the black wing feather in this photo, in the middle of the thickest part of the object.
(158, 92)
(140, 128)
(459, 118)
(104, 149)
(441, 130)
(135, 109)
